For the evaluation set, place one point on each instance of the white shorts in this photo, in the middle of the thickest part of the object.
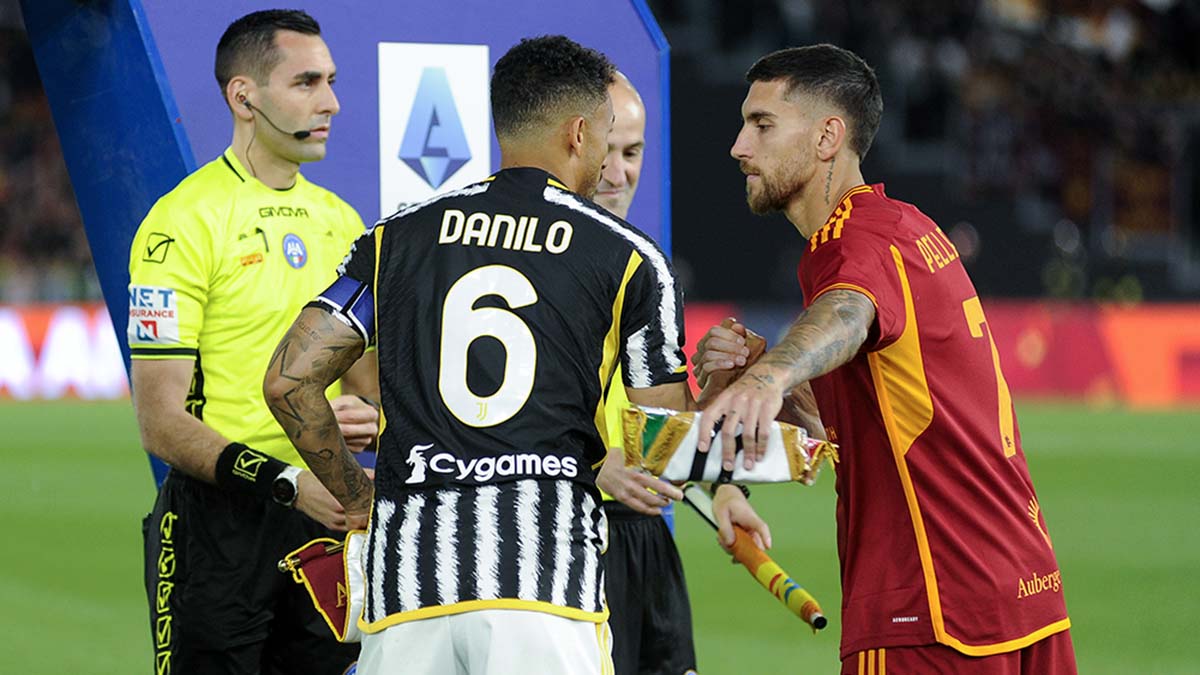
(489, 642)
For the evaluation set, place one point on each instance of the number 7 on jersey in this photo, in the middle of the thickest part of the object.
(977, 322)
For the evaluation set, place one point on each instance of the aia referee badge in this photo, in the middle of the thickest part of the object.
(294, 250)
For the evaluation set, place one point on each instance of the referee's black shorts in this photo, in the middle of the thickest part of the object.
(218, 604)
(649, 612)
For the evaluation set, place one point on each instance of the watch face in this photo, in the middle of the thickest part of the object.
(283, 491)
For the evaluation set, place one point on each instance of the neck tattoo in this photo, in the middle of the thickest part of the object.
(829, 180)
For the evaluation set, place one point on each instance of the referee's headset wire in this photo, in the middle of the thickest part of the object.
(254, 132)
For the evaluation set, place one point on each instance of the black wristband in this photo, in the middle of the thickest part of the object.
(724, 480)
(246, 470)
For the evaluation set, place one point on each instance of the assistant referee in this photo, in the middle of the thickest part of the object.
(651, 615)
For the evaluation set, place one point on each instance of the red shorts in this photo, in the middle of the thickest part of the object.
(1052, 655)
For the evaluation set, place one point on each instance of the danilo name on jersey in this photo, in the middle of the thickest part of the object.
(520, 232)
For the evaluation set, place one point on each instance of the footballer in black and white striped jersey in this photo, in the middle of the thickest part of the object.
(500, 312)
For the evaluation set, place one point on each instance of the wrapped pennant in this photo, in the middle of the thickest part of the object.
(335, 577)
(663, 442)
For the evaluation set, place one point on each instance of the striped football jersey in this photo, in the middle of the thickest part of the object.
(438, 552)
(500, 313)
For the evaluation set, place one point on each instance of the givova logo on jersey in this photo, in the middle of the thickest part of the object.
(484, 469)
(434, 122)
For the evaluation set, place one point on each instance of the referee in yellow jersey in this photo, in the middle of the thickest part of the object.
(218, 270)
(650, 614)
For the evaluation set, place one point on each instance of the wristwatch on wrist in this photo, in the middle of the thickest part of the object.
(284, 488)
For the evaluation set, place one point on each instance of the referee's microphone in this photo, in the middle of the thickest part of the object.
(298, 135)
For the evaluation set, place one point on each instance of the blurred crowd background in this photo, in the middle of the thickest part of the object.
(1056, 142)
(44, 254)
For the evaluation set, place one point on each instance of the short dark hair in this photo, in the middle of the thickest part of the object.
(837, 75)
(544, 75)
(248, 45)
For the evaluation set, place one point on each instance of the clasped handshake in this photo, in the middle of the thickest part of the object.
(740, 403)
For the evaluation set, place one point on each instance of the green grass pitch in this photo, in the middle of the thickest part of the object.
(1118, 488)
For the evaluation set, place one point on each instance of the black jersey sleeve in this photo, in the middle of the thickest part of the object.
(360, 263)
(652, 335)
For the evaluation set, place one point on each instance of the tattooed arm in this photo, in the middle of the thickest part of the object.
(800, 409)
(316, 351)
(826, 335)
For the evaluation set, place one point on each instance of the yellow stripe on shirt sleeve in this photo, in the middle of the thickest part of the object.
(612, 343)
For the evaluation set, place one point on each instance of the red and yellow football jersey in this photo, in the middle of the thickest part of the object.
(940, 534)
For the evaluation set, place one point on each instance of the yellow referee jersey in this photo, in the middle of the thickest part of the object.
(218, 271)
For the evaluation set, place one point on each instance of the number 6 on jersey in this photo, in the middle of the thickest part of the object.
(462, 324)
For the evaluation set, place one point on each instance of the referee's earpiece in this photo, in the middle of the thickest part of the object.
(298, 135)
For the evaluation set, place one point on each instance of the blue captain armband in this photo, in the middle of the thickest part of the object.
(352, 303)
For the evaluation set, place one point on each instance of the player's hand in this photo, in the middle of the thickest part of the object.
(730, 508)
(722, 348)
(753, 401)
(723, 356)
(316, 502)
(632, 487)
(358, 421)
(357, 520)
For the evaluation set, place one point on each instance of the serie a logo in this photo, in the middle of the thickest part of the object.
(434, 144)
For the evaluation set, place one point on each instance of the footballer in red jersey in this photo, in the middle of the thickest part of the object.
(947, 563)
(939, 528)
